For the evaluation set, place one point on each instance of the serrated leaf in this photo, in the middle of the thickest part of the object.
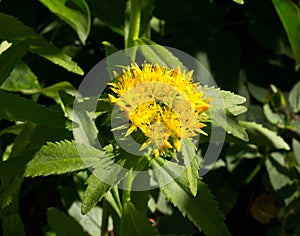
(62, 224)
(93, 194)
(17, 108)
(18, 32)
(62, 157)
(9, 187)
(289, 14)
(294, 97)
(21, 78)
(79, 19)
(10, 57)
(134, 223)
(191, 164)
(155, 53)
(263, 137)
(202, 209)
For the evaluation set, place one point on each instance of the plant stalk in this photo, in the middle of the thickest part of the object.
(105, 215)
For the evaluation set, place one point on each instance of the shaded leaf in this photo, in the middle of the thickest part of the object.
(17, 108)
(134, 223)
(62, 224)
(18, 32)
(21, 78)
(79, 19)
(10, 57)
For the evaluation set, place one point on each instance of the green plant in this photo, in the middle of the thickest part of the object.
(39, 85)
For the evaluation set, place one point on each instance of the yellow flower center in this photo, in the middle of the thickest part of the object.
(164, 104)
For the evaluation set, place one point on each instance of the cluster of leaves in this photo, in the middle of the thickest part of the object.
(258, 172)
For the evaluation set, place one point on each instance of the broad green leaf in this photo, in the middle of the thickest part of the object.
(294, 98)
(62, 224)
(275, 118)
(155, 53)
(257, 92)
(202, 209)
(289, 14)
(18, 32)
(10, 57)
(191, 164)
(61, 158)
(78, 18)
(134, 223)
(263, 137)
(21, 78)
(17, 108)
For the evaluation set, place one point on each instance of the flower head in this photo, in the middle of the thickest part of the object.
(164, 104)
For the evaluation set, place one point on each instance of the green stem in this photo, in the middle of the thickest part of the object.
(105, 215)
(134, 25)
(127, 187)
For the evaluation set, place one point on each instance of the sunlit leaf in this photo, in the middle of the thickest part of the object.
(78, 17)
(294, 98)
(17, 32)
(202, 209)
(289, 14)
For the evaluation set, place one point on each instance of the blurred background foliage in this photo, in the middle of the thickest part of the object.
(251, 49)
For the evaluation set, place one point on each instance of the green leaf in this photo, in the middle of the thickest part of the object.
(17, 108)
(10, 57)
(18, 32)
(296, 149)
(155, 53)
(191, 164)
(11, 221)
(262, 136)
(239, 1)
(202, 209)
(61, 158)
(21, 78)
(93, 194)
(9, 187)
(62, 224)
(78, 17)
(294, 98)
(147, 7)
(289, 14)
(134, 223)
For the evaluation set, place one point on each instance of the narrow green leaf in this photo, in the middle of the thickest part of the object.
(294, 97)
(113, 198)
(93, 194)
(17, 108)
(134, 223)
(109, 48)
(202, 209)
(61, 158)
(147, 7)
(263, 137)
(62, 224)
(296, 149)
(12, 225)
(289, 14)
(10, 57)
(191, 164)
(9, 188)
(21, 78)
(18, 32)
(78, 18)
(155, 53)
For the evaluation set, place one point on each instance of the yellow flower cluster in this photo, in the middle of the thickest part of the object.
(163, 103)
